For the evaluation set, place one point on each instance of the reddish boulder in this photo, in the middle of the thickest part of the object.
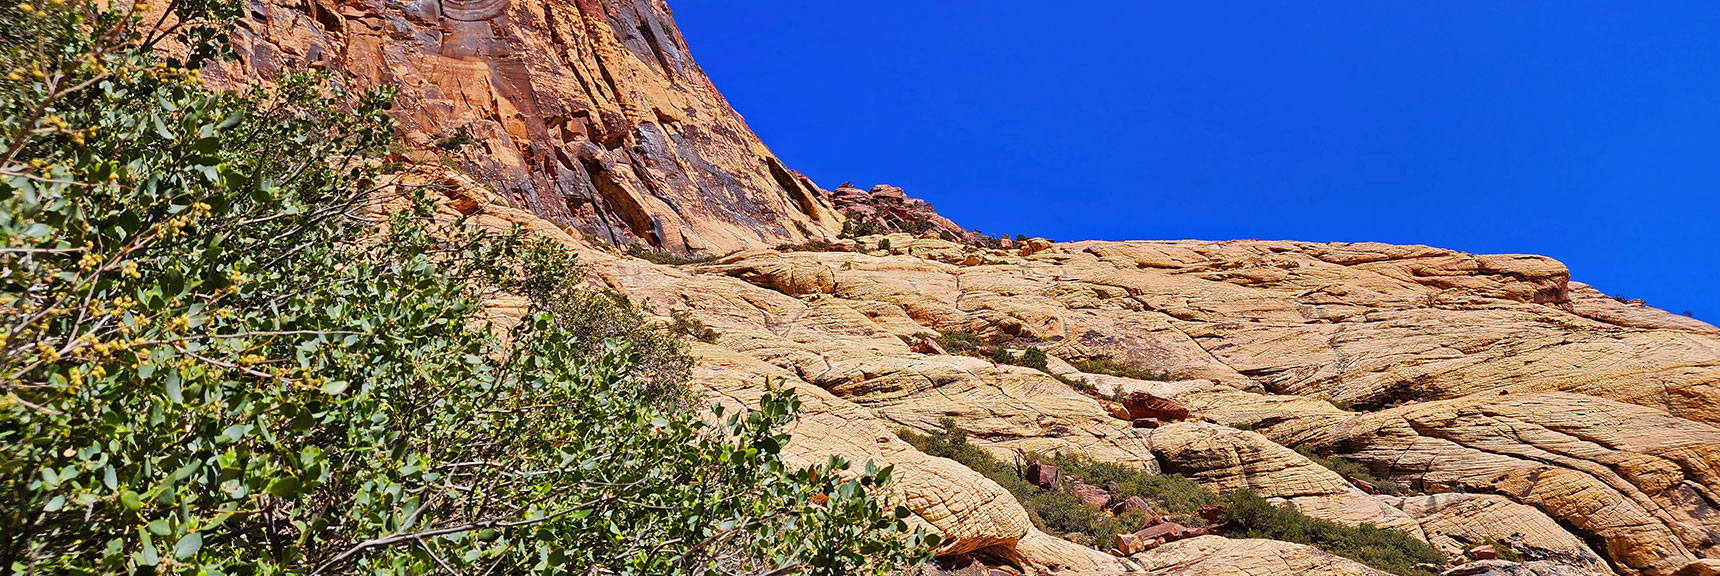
(1093, 495)
(1147, 423)
(974, 568)
(1128, 544)
(1167, 531)
(1361, 484)
(1136, 504)
(1210, 513)
(1143, 405)
(928, 346)
(1042, 475)
(1483, 553)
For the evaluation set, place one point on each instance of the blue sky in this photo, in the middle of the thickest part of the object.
(1586, 131)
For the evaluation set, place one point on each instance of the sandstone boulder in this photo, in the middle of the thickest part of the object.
(1142, 405)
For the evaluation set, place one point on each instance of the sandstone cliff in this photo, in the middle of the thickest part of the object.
(590, 113)
(1519, 407)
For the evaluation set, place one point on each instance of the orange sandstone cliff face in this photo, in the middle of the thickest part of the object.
(589, 113)
(1517, 406)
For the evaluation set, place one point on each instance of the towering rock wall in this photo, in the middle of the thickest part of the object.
(589, 113)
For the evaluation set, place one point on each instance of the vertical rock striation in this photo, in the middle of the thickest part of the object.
(590, 113)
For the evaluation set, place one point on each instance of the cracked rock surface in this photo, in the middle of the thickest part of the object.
(1513, 406)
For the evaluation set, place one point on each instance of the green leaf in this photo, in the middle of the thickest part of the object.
(285, 487)
(188, 546)
(173, 389)
(130, 500)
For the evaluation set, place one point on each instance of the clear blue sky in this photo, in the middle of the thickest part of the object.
(1587, 131)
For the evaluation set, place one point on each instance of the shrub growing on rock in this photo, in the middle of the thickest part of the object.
(1250, 516)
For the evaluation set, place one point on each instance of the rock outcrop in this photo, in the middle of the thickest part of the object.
(886, 209)
(589, 113)
(1583, 446)
(1519, 408)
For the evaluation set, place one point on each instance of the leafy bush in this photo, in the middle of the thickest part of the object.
(961, 342)
(807, 246)
(1246, 514)
(1172, 495)
(1058, 511)
(1102, 365)
(1250, 516)
(884, 245)
(461, 138)
(682, 322)
(855, 228)
(1034, 358)
(216, 361)
(666, 258)
(1350, 469)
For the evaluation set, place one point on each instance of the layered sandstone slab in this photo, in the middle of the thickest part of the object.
(1444, 370)
(1218, 556)
(1587, 453)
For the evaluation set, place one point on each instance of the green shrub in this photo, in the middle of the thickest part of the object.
(1001, 355)
(884, 245)
(1502, 550)
(682, 322)
(961, 342)
(807, 246)
(1246, 514)
(666, 258)
(1171, 494)
(1250, 516)
(461, 137)
(217, 362)
(1034, 358)
(1350, 469)
(1102, 365)
(1057, 511)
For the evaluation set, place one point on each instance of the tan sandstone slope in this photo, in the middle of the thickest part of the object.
(1519, 406)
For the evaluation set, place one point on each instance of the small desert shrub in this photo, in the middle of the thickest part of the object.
(1350, 469)
(1107, 366)
(666, 258)
(961, 342)
(1170, 494)
(1058, 511)
(884, 245)
(1250, 516)
(461, 137)
(1034, 358)
(807, 246)
(682, 322)
(1246, 514)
